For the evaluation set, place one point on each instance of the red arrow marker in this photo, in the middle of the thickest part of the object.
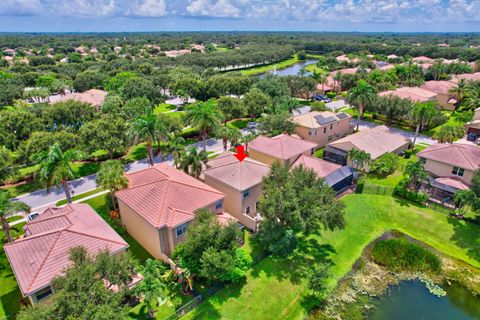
(240, 155)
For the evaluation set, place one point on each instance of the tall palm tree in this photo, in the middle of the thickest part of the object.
(417, 174)
(204, 116)
(151, 287)
(145, 127)
(459, 91)
(471, 99)
(361, 95)
(247, 138)
(176, 145)
(422, 114)
(337, 78)
(56, 167)
(359, 158)
(193, 161)
(111, 176)
(222, 132)
(8, 207)
(234, 136)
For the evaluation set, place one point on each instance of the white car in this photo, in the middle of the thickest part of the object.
(32, 216)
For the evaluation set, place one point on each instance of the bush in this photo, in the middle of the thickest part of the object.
(408, 153)
(331, 94)
(400, 255)
(360, 187)
(402, 191)
(384, 165)
(318, 106)
(243, 261)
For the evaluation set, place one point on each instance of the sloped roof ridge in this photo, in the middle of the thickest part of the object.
(92, 236)
(196, 187)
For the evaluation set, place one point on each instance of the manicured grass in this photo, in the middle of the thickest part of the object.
(239, 123)
(79, 196)
(99, 204)
(276, 289)
(164, 107)
(319, 153)
(315, 68)
(265, 68)
(10, 295)
(14, 218)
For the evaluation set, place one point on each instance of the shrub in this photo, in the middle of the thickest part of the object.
(408, 153)
(318, 106)
(384, 165)
(360, 187)
(400, 255)
(402, 191)
(243, 261)
(331, 94)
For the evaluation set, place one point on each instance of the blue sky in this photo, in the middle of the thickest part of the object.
(206, 15)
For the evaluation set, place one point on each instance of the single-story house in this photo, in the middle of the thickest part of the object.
(338, 177)
(451, 166)
(241, 182)
(376, 141)
(301, 110)
(160, 203)
(442, 88)
(322, 127)
(466, 76)
(43, 253)
(423, 59)
(95, 97)
(392, 56)
(283, 148)
(412, 93)
(336, 105)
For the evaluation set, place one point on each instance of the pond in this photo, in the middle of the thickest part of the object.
(293, 70)
(411, 300)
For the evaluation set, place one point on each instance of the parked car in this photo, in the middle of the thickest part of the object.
(322, 98)
(252, 125)
(33, 216)
(472, 137)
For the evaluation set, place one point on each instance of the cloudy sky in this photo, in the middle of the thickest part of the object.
(199, 15)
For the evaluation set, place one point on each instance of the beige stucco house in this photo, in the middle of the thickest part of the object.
(442, 88)
(159, 204)
(376, 141)
(241, 182)
(283, 148)
(322, 127)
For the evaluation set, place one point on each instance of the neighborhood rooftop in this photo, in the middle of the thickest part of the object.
(321, 167)
(316, 119)
(376, 141)
(439, 87)
(165, 196)
(282, 146)
(94, 97)
(465, 156)
(44, 253)
(413, 93)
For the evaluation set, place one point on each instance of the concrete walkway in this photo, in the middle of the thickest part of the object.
(40, 199)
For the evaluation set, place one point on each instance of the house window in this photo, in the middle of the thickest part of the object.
(331, 126)
(458, 171)
(181, 229)
(325, 130)
(247, 210)
(330, 138)
(218, 204)
(312, 151)
(423, 160)
(310, 132)
(246, 193)
(44, 293)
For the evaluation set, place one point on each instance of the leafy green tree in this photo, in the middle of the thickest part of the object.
(176, 146)
(449, 133)
(318, 280)
(116, 83)
(41, 141)
(68, 114)
(277, 123)
(8, 208)
(385, 164)
(111, 176)
(7, 168)
(10, 88)
(205, 117)
(56, 167)
(37, 95)
(295, 201)
(359, 158)
(422, 114)
(140, 87)
(144, 128)
(105, 133)
(232, 108)
(256, 102)
(134, 108)
(45, 81)
(186, 86)
(88, 80)
(193, 161)
(151, 288)
(360, 96)
(416, 173)
(273, 86)
(393, 107)
(16, 126)
(112, 104)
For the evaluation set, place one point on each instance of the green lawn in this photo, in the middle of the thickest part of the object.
(276, 289)
(239, 123)
(265, 68)
(10, 295)
(314, 68)
(164, 107)
(79, 196)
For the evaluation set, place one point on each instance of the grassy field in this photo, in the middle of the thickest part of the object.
(275, 289)
(164, 107)
(268, 67)
(79, 196)
(239, 123)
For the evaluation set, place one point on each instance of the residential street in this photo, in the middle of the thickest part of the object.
(40, 199)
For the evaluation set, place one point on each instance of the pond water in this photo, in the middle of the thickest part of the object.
(411, 300)
(293, 70)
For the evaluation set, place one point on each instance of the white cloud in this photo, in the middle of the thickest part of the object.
(214, 8)
(148, 8)
(20, 7)
(85, 8)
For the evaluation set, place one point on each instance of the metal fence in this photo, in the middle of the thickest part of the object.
(377, 189)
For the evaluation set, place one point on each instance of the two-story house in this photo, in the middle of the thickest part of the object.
(322, 127)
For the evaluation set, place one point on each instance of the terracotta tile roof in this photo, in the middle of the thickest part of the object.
(239, 175)
(413, 93)
(321, 167)
(421, 59)
(439, 87)
(44, 251)
(165, 196)
(467, 76)
(376, 141)
(94, 97)
(311, 120)
(465, 156)
(282, 146)
(453, 182)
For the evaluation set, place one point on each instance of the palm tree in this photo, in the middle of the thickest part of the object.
(193, 161)
(145, 127)
(459, 91)
(449, 133)
(471, 99)
(151, 287)
(337, 78)
(247, 138)
(361, 95)
(175, 146)
(222, 132)
(234, 136)
(55, 167)
(7, 209)
(464, 199)
(417, 174)
(422, 114)
(111, 176)
(204, 116)
(359, 158)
